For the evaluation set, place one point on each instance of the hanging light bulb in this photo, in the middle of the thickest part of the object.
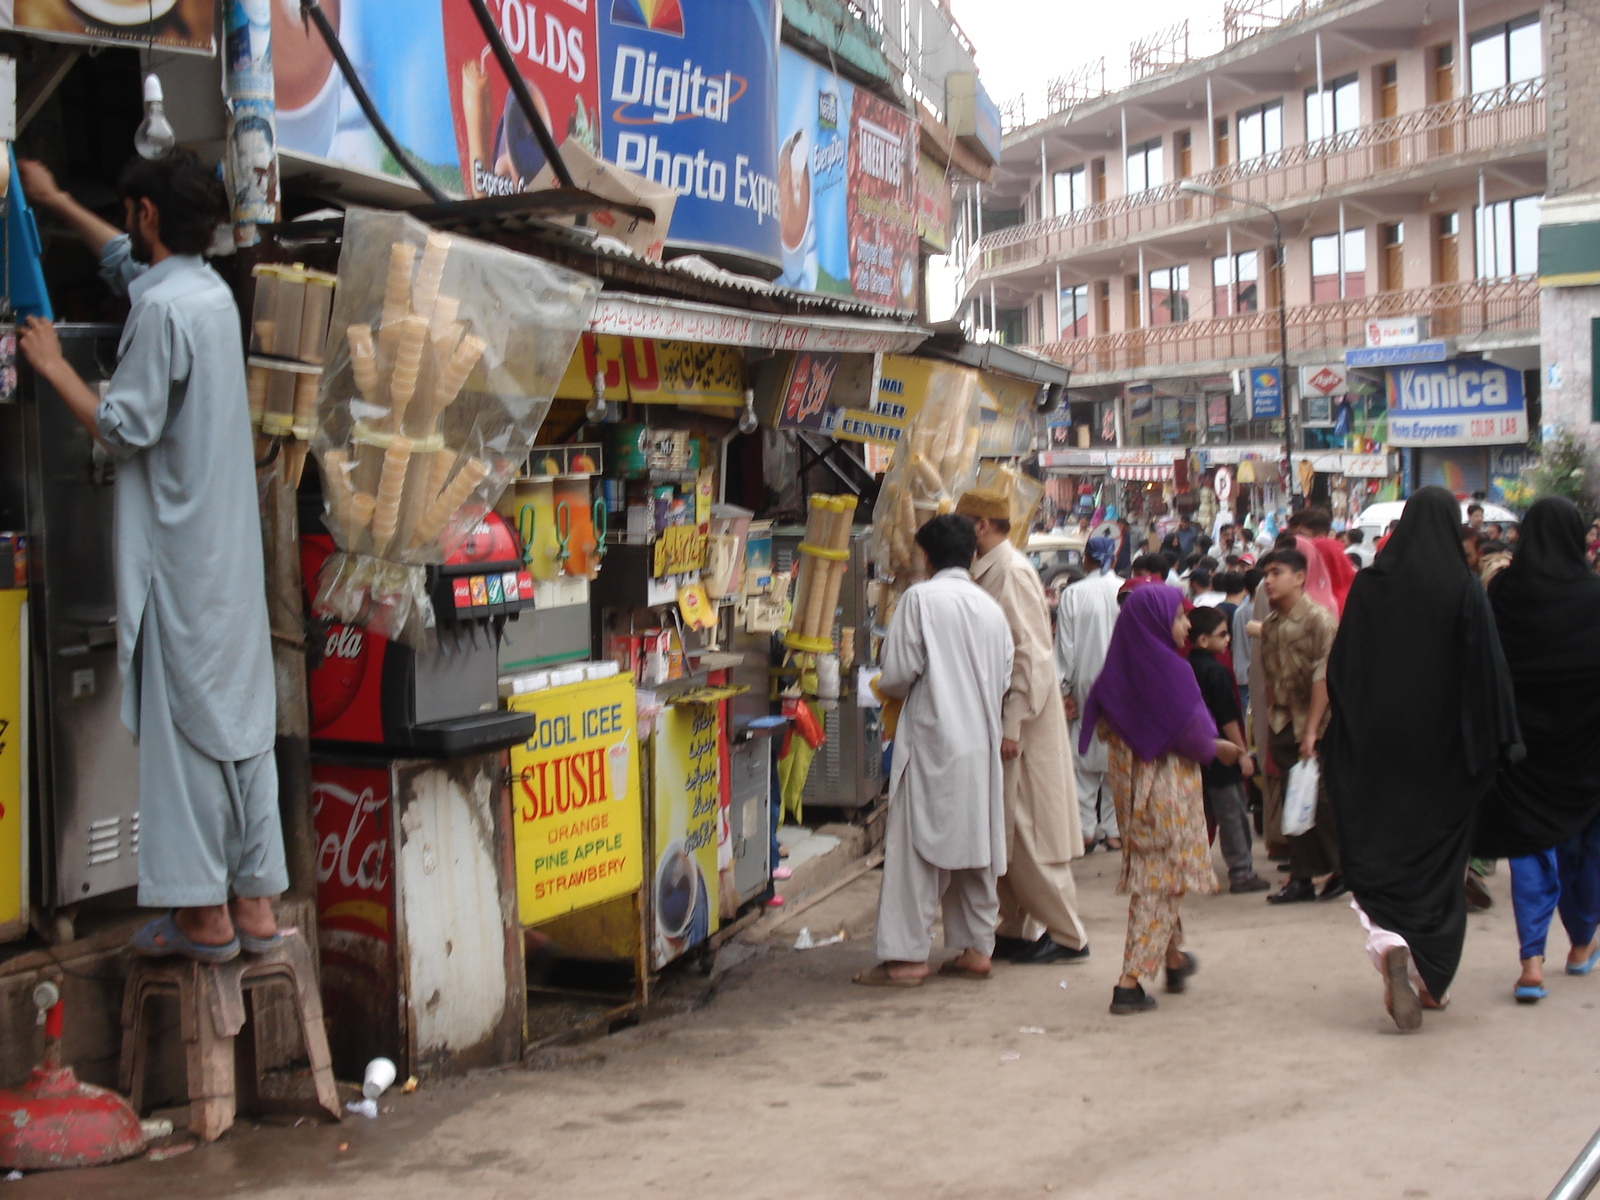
(596, 412)
(747, 419)
(154, 138)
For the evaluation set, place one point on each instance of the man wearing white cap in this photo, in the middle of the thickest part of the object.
(1039, 920)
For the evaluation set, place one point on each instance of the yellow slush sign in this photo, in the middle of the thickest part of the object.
(648, 371)
(576, 811)
(13, 752)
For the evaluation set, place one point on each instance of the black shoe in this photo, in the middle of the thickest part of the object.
(1010, 947)
(1478, 897)
(1335, 886)
(1125, 1002)
(1293, 891)
(1178, 977)
(1254, 884)
(1047, 950)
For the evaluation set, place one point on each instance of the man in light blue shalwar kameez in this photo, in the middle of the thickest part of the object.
(193, 643)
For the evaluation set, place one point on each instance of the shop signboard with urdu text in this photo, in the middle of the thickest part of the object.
(847, 184)
(577, 816)
(650, 371)
(687, 790)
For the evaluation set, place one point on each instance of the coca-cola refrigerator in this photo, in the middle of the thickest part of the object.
(56, 484)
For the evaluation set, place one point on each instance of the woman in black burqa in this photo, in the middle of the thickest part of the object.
(1542, 812)
(1423, 716)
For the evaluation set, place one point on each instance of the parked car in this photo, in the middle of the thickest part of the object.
(1374, 521)
(1056, 555)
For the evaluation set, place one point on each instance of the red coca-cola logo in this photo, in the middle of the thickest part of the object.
(355, 864)
(337, 679)
(343, 642)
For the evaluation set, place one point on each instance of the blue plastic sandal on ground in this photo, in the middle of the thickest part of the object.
(255, 945)
(173, 943)
(1530, 993)
(1584, 968)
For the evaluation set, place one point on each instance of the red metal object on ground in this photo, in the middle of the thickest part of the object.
(55, 1121)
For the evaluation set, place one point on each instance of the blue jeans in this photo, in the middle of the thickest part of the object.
(1565, 879)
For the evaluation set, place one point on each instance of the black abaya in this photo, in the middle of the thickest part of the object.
(1547, 609)
(1422, 716)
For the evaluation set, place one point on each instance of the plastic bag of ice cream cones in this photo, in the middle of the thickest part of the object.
(443, 353)
(934, 463)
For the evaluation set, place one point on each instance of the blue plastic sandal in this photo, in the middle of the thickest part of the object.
(1530, 993)
(174, 943)
(1584, 968)
(255, 945)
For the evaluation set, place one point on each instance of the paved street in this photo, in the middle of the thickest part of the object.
(1277, 1075)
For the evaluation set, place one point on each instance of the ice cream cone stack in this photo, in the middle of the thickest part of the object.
(448, 384)
(397, 287)
(429, 275)
(391, 486)
(363, 361)
(443, 319)
(407, 367)
(361, 509)
(336, 493)
(305, 411)
(448, 503)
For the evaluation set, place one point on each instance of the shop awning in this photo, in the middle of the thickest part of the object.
(627, 315)
(1147, 466)
(1145, 474)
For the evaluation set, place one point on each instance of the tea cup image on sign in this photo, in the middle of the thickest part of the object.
(617, 756)
(799, 235)
(680, 895)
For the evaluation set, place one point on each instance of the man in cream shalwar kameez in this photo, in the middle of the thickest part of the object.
(948, 654)
(1084, 621)
(1038, 899)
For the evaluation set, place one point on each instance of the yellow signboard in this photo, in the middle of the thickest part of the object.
(577, 813)
(13, 761)
(903, 384)
(687, 800)
(679, 550)
(647, 371)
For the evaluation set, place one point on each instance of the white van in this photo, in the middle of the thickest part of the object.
(1374, 522)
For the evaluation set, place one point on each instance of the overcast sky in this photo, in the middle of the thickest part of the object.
(1022, 44)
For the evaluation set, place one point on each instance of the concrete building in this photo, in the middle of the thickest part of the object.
(1401, 145)
(1569, 237)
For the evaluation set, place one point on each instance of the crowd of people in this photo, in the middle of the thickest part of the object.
(1432, 712)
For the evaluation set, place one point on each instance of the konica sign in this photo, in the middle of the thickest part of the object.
(1467, 402)
(689, 98)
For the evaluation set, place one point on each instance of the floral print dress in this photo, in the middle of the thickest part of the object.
(1161, 813)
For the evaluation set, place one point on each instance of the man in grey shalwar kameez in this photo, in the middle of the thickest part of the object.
(193, 645)
(948, 654)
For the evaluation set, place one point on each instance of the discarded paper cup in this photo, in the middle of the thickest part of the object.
(380, 1074)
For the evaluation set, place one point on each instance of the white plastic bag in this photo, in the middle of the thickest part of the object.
(1300, 798)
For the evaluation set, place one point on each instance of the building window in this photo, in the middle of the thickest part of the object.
(1182, 154)
(1336, 110)
(1169, 295)
(1243, 275)
(1144, 167)
(1074, 311)
(1506, 54)
(1393, 266)
(1446, 247)
(1072, 190)
(1508, 238)
(1219, 143)
(1260, 130)
(1338, 272)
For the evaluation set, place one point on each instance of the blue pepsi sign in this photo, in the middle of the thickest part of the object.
(689, 98)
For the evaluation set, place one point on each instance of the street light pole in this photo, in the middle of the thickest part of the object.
(1199, 189)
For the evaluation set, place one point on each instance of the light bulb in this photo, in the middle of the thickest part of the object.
(747, 419)
(154, 138)
(596, 410)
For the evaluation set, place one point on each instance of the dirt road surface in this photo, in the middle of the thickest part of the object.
(1278, 1074)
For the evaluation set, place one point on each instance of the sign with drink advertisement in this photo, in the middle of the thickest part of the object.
(847, 187)
(577, 817)
(690, 96)
(648, 371)
(556, 50)
(352, 815)
(13, 761)
(171, 24)
(686, 794)
(1468, 402)
(804, 400)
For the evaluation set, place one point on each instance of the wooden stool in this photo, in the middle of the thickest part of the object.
(212, 1008)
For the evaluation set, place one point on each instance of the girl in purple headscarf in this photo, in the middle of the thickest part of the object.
(1158, 732)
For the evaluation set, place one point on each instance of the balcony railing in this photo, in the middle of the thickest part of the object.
(1453, 309)
(1496, 120)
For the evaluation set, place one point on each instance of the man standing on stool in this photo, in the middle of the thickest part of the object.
(1043, 834)
(193, 648)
